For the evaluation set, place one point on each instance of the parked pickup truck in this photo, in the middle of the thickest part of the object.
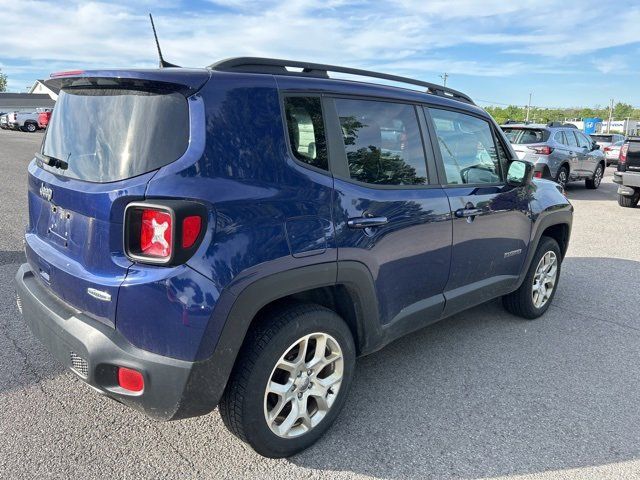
(4, 123)
(25, 121)
(628, 174)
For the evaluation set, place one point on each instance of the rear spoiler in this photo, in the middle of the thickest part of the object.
(186, 81)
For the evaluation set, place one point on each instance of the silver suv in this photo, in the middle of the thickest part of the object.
(560, 152)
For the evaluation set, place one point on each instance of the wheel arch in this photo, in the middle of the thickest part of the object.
(346, 288)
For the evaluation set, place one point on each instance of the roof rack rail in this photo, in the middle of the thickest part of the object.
(279, 67)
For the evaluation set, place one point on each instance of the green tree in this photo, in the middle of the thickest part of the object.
(3, 82)
(622, 110)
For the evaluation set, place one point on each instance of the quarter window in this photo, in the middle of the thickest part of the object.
(306, 130)
(382, 142)
(467, 147)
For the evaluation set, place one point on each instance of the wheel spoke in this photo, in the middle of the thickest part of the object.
(294, 414)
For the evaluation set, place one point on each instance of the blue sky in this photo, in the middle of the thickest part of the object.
(568, 53)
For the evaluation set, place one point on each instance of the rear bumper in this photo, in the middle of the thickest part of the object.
(93, 351)
(628, 179)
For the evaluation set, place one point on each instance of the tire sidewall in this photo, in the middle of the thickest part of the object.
(258, 433)
(31, 127)
(546, 245)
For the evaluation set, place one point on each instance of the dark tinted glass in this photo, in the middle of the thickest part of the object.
(112, 134)
(383, 142)
(306, 130)
(467, 147)
(602, 138)
(523, 136)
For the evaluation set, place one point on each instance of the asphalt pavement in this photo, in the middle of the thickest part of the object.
(480, 395)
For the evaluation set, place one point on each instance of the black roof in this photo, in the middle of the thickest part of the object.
(21, 101)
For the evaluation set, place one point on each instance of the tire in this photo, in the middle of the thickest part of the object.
(246, 401)
(522, 302)
(629, 202)
(562, 177)
(593, 183)
(31, 127)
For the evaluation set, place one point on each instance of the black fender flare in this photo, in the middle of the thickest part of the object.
(546, 219)
(208, 378)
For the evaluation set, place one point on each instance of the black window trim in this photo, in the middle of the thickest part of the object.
(440, 162)
(341, 169)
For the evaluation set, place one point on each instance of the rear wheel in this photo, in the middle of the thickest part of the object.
(562, 177)
(629, 201)
(291, 380)
(31, 127)
(594, 182)
(536, 293)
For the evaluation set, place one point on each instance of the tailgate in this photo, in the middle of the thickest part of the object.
(74, 238)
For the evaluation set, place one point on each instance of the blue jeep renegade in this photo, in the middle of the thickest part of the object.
(236, 236)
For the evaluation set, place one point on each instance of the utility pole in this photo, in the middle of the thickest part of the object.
(444, 77)
(610, 117)
(529, 106)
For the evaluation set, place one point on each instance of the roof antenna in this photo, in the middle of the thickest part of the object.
(163, 63)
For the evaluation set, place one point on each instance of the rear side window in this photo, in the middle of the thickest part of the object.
(560, 138)
(523, 136)
(305, 126)
(107, 135)
(382, 142)
(467, 147)
(571, 139)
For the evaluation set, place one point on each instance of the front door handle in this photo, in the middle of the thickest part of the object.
(467, 212)
(367, 222)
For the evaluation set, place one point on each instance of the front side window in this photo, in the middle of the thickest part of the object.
(582, 140)
(467, 147)
(306, 130)
(382, 142)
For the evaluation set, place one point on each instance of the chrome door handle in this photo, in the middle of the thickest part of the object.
(367, 222)
(467, 212)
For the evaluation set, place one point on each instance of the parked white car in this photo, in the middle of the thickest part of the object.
(612, 152)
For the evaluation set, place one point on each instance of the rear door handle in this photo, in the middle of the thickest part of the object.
(367, 222)
(467, 212)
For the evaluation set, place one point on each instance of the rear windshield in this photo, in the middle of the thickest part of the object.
(526, 135)
(111, 134)
(602, 138)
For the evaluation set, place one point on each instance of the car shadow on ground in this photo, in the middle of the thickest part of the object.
(578, 191)
(484, 393)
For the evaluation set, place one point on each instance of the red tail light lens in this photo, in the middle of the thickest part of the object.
(163, 232)
(191, 226)
(537, 174)
(156, 234)
(622, 158)
(130, 379)
(545, 150)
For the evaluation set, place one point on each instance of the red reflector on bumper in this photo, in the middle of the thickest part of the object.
(129, 379)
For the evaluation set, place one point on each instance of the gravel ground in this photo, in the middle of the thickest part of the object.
(480, 395)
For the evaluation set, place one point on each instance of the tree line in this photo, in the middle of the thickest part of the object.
(621, 111)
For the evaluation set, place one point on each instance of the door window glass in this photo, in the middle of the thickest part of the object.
(306, 130)
(467, 147)
(382, 142)
(571, 139)
(582, 140)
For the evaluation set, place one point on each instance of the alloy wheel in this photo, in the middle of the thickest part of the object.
(544, 279)
(303, 385)
(562, 178)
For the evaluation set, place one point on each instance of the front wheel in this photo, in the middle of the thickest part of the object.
(291, 380)
(536, 293)
(594, 182)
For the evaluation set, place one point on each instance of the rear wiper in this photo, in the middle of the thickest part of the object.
(52, 161)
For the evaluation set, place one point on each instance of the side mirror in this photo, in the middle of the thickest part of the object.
(520, 173)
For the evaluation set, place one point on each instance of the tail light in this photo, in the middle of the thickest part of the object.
(537, 174)
(165, 232)
(622, 158)
(607, 149)
(544, 150)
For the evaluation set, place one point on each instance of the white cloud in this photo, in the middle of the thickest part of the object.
(404, 36)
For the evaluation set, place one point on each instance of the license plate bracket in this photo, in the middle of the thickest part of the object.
(59, 225)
